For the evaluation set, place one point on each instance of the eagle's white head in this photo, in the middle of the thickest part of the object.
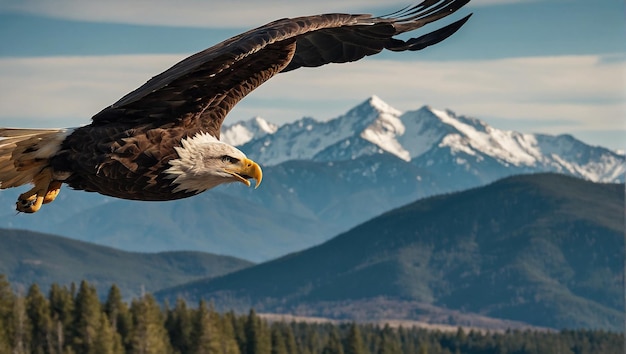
(204, 162)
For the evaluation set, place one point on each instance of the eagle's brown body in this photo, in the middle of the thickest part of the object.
(160, 142)
(132, 160)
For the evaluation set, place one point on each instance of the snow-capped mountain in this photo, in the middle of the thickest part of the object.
(305, 138)
(242, 132)
(432, 138)
(472, 144)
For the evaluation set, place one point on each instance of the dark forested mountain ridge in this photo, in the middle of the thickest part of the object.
(544, 249)
(33, 258)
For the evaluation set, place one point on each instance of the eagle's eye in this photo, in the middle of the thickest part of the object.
(229, 159)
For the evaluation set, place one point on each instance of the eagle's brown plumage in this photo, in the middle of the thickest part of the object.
(128, 150)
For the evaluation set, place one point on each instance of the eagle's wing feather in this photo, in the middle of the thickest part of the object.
(199, 91)
(370, 35)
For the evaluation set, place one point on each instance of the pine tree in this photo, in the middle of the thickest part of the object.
(113, 305)
(389, 342)
(423, 349)
(228, 343)
(7, 299)
(148, 335)
(460, 340)
(179, 326)
(290, 339)
(239, 327)
(408, 340)
(333, 345)
(258, 340)
(278, 341)
(19, 327)
(312, 340)
(205, 335)
(354, 341)
(38, 312)
(107, 340)
(62, 316)
(87, 321)
(118, 315)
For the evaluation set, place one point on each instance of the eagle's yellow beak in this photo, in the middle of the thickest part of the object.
(247, 169)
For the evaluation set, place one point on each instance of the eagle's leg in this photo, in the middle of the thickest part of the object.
(53, 190)
(31, 201)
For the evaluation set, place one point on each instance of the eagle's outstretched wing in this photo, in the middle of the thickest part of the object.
(199, 91)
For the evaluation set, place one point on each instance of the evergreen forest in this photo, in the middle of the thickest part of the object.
(75, 320)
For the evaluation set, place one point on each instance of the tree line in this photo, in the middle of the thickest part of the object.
(74, 320)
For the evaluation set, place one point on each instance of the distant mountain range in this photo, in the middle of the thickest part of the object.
(545, 250)
(321, 178)
(29, 257)
(427, 137)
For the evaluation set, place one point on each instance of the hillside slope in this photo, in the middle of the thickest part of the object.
(29, 257)
(546, 250)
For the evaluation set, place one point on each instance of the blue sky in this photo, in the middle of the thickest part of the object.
(548, 66)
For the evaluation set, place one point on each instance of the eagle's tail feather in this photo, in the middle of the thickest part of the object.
(24, 153)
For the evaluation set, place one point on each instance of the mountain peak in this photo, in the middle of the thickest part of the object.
(243, 131)
(264, 125)
(385, 129)
(378, 104)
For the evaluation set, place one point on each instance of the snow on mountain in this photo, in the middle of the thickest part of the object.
(569, 155)
(473, 136)
(242, 132)
(562, 153)
(423, 130)
(305, 138)
(384, 130)
(428, 137)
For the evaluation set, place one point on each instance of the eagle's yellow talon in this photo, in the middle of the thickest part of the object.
(31, 201)
(53, 191)
(29, 205)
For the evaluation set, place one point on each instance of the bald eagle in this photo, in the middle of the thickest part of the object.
(161, 141)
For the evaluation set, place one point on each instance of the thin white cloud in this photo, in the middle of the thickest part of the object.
(499, 2)
(578, 92)
(194, 13)
(51, 89)
(199, 13)
(567, 88)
